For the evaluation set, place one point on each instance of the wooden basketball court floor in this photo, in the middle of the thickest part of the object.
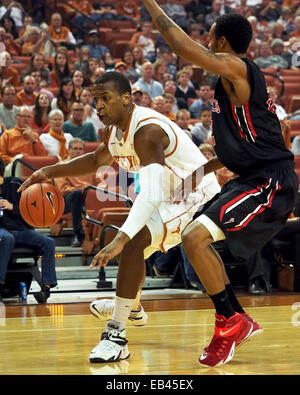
(56, 339)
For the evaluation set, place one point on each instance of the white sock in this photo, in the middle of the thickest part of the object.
(137, 305)
(122, 310)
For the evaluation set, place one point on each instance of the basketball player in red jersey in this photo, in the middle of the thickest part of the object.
(253, 207)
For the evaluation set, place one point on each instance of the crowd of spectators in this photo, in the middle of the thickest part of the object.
(47, 103)
(63, 54)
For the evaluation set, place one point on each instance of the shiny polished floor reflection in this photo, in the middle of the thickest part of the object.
(56, 339)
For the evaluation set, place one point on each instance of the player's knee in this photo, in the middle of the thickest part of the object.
(195, 236)
(139, 242)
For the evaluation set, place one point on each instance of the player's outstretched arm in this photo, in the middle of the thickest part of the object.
(82, 165)
(223, 64)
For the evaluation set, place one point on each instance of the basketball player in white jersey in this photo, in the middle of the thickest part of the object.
(164, 156)
(144, 141)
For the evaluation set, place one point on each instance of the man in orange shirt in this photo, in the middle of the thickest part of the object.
(128, 8)
(20, 141)
(60, 35)
(79, 10)
(83, 6)
(9, 75)
(10, 44)
(26, 97)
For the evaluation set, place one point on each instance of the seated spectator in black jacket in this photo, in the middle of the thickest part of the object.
(14, 231)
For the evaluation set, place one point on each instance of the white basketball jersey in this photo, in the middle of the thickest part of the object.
(182, 156)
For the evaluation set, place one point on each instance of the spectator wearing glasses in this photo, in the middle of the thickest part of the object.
(21, 140)
(76, 125)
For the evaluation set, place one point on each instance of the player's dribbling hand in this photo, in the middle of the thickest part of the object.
(38, 176)
(112, 249)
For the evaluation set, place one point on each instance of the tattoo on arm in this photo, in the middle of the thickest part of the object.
(163, 23)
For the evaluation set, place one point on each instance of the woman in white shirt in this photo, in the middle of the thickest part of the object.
(56, 141)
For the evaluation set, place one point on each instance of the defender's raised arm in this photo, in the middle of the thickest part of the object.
(225, 64)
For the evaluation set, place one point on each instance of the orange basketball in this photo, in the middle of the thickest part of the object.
(41, 205)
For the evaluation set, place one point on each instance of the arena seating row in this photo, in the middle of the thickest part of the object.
(291, 91)
(297, 167)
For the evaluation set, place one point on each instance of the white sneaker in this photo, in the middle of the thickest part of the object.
(103, 309)
(111, 348)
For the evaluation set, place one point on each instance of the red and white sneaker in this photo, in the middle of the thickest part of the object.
(228, 334)
(256, 329)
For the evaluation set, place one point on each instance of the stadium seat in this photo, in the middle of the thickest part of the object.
(295, 124)
(294, 104)
(295, 127)
(297, 162)
(289, 72)
(112, 36)
(118, 47)
(19, 67)
(115, 217)
(270, 80)
(291, 78)
(96, 200)
(36, 162)
(96, 203)
(91, 146)
(118, 24)
(291, 88)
